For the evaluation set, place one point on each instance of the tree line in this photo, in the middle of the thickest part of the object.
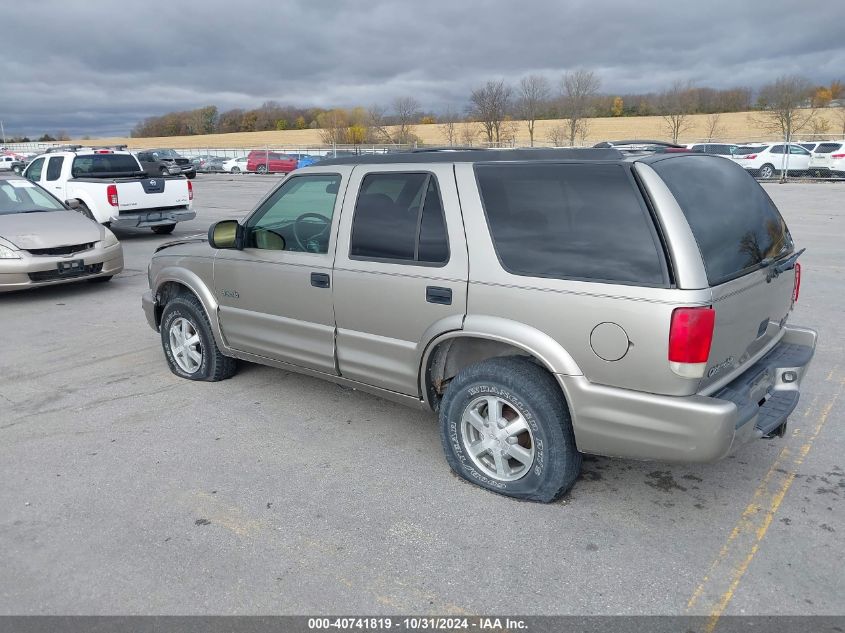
(495, 109)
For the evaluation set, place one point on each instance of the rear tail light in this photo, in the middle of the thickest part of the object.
(797, 287)
(837, 155)
(747, 156)
(111, 195)
(190, 190)
(690, 337)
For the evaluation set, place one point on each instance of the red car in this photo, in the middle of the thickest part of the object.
(262, 162)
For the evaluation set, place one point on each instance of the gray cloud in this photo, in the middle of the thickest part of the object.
(98, 67)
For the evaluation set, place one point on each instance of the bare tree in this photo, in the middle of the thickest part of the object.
(469, 133)
(533, 99)
(376, 119)
(676, 105)
(406, 111)
(714, 126)
(819, 127)
(577, 90)
(558, 135)
(783, 106)
(449, 121)
(489, 106)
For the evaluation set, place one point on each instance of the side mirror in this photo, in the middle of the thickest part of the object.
(73, 203)
(226, 234)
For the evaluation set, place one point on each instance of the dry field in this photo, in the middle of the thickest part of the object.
(732, 126)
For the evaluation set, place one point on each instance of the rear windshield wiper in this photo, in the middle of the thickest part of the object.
(781, 266)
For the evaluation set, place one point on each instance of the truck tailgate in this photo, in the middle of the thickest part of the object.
(152, 193)
(750, 315)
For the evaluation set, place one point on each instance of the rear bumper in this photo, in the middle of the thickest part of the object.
(624, 423)
(135, 219)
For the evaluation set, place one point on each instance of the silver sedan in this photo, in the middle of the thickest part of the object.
(43, 242)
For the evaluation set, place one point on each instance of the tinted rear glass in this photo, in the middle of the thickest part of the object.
(571, 221)
(732, 218)
(748, 150)
(828, 148)
(104, 164)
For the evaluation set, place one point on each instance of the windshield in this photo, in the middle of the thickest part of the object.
(23, 196)
(748, 150)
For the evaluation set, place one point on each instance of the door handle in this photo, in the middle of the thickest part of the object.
(320, 280)
(434, 294)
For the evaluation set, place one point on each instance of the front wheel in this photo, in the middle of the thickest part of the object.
(505, 426)
(767, 172)
(163, 229)
(188, 342)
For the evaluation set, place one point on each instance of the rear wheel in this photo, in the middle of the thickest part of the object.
(236, 170)
(188, 342)
(261, 169)
(505, 426)
(767, 171)
(163, 229)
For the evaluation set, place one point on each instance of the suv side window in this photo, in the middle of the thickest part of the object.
(54, 167)
(776, 149)
(33, 172)
(296, 217)
(585, 222)
(399, 218)
(797, 149)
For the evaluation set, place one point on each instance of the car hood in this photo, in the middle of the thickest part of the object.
(49, 229)
(193, 240)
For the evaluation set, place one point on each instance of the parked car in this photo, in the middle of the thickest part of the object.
(211, 164)
(236, 165)
(263, 162)
(174, 158)
(111, 187)
(208, 163)
(828, 160)
(717, 149)
(305, 160)
(674, 346)
(767, 160)
(43, 242)
(12, 164)
(154, 166)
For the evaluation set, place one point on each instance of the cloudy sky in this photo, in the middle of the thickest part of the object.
(98, 67)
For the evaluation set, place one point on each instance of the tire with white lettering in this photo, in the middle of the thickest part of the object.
(188, 343)
(505, 426)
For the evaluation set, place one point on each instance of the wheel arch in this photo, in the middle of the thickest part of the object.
(173, 281)
(88, 200)
(483, 338)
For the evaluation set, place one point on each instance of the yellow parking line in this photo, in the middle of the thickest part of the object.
(725, 573)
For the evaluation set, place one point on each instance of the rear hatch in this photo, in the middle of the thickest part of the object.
(823, 156)
(152, 193)
(747, 253)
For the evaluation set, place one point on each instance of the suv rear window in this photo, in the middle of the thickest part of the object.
(571, 221)
(828, 148)
(733, 220)
(748, 150)
(104, 165)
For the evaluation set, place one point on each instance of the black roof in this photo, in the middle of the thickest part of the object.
(477, 156)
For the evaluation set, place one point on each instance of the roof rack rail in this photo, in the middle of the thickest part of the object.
(62, 148)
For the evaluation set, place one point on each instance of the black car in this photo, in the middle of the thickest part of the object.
(156, 161)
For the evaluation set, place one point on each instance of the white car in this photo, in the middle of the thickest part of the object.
(828, 159)
(235, 165)
(767, 161)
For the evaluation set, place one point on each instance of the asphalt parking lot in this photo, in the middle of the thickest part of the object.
(127, 490)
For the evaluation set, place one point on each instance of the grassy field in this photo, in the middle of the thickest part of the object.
(733, 126)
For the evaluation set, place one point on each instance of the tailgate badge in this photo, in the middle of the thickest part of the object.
(715, 369)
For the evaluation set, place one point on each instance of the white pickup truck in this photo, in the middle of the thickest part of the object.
(112, 188)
